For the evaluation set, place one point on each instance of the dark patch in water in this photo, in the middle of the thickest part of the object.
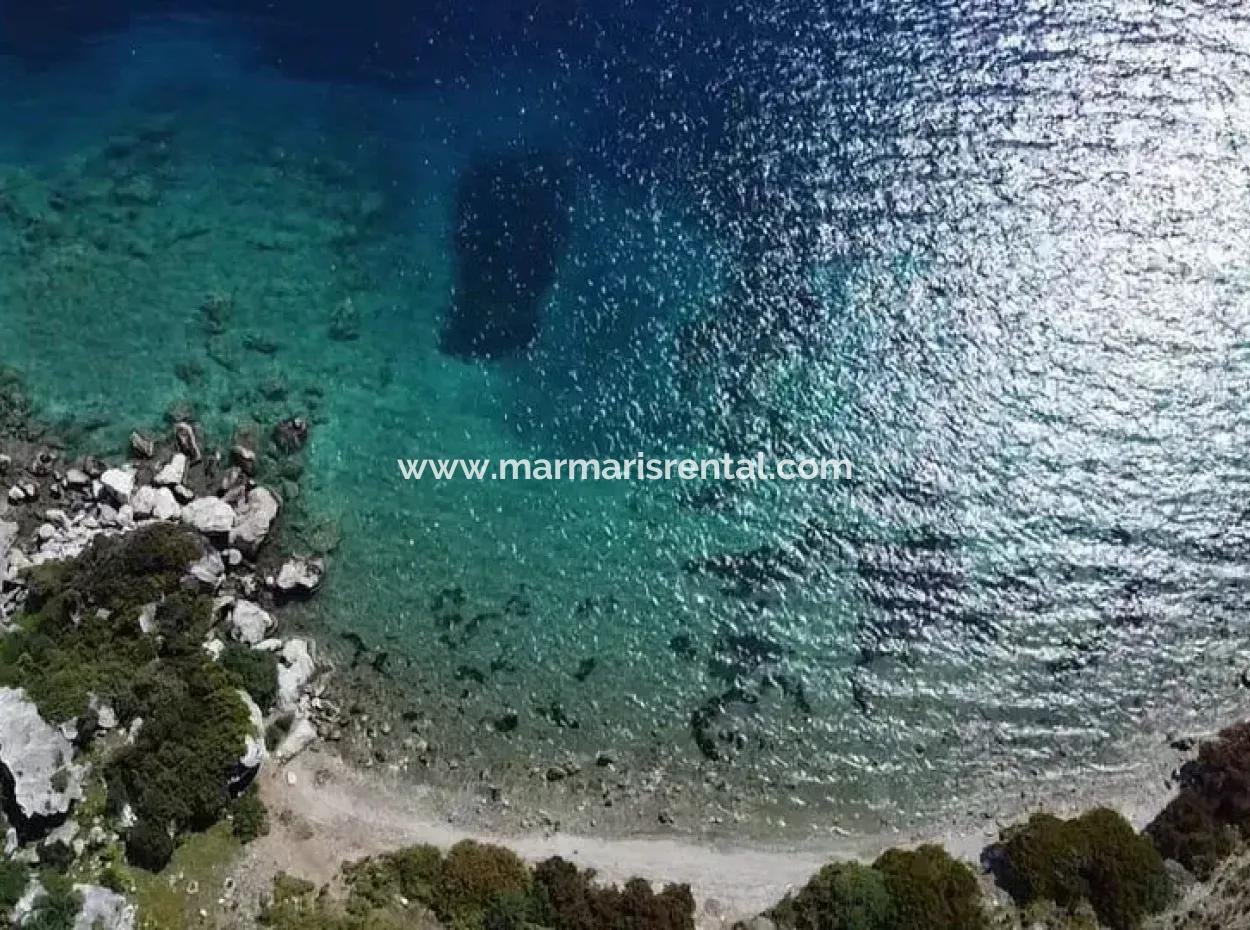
(512, 227)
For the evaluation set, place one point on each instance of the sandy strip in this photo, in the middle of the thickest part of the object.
(332, 813)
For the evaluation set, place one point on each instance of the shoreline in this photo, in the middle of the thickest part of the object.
(326, 811)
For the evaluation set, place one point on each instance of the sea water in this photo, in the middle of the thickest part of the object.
(994, 254)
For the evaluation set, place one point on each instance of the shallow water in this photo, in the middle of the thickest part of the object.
(993, 253)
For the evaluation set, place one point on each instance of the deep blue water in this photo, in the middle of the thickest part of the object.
(994, 253)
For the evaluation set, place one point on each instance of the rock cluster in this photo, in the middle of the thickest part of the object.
(54, 514)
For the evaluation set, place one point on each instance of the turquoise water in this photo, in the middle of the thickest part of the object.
(1025, 236)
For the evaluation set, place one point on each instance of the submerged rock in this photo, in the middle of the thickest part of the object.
(41, 780)
(512, 226)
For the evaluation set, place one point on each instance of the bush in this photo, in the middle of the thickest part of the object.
(473, 876)
(565, 898)
(193, 735)
(841, 896)
(249, 819)
(930, 890)
(149, 846)
(1096, 857)
(1187, 831)
(14, 876)
(253, 670)
(1221, 774)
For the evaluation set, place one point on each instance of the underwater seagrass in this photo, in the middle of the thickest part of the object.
(512, 226)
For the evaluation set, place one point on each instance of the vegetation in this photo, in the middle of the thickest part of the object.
(249, 818)
(1096, 857)
(253, 670)
(930, 890)
(14, 877)
(475, 886)
(57, 907)
(841, 896)
(80, 641)
(1199, 829)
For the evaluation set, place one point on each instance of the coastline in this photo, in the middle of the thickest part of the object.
(327, 812)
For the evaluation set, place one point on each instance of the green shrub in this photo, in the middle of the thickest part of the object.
(249, 819)
(841, 896)
(565, 898)
(253, 670)
(930, 890)
(1187, 831)
(57, 908)
(149, 845)
(1096, 857)
(472, 876)
(193, 735)
(14, 877)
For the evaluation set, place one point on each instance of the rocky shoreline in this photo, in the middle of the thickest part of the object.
(172, 559)
(56, 511)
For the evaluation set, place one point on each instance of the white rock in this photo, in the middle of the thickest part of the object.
(166, 506)
(16, 494)
(208, 570)
(254, 519)
(147, 618)
(249, 622)
(106, 717)
(174, 472)
(118, 484)
(269, 645)
(184, 494)
(8, 534)
(210, 515)
(254, 743)
(300, 576)
(214, 647)
(77, 478)
(301, 735)
(103, 910)
(143, 501)
(294, 672)
(39, 760)
(233, 557)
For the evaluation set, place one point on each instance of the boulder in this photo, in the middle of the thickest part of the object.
(165, 506)
(249, 622)
(143, 502)
(254, 520)
(103, 910)
(8, 534)
(295, 670)
(301, 735)
(253, 746)
(300, 576)
(173, 472)
(117, 484)
(38, 760)
(208, 571)
(209, 515)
